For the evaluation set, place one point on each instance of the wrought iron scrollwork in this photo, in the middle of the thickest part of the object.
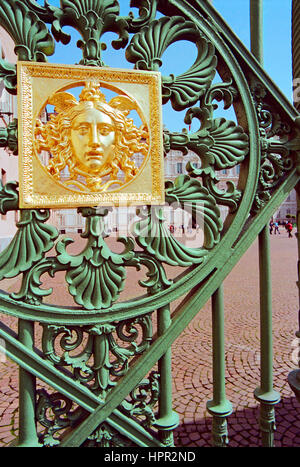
(92, 19)
(100, 354)
(153, 236)
(96, 276)
(253, 132)
(9, 137)
(277, 146)
(107, 437)
(56, 413)
(9, 197)
(33, 238)
(31, 36)
(97, 356)
(219, 143)
(142, 400)
(147, 47)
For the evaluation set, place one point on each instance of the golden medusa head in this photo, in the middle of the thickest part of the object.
(92, 139)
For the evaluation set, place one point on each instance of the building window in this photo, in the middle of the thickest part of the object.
(179, 167)
(224, 172)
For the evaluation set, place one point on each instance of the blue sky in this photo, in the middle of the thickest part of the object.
(277, 46)
(277, 35)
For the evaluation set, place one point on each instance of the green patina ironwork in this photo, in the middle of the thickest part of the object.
(294, 376)
(116, 390)
(265, 393)
(9, 137)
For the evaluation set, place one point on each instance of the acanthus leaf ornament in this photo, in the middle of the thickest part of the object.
(32, 240)
(185, 90)
(9, 197)
(71, 338)
(44, 12)
(9, 137)
(31, 36)
(8, 74)
(96, 275)
(153, 235)
(196, 199)
(219, 143)
(97, 355)
(30, 291)
(143, 399)
(102, 365)
(137, 343)
(230, 197)
(102, 437)
(92, 19)
(147, 47)
(147, 12)
(157, 279)
(107, 437)
(278, 145)
(62, 415)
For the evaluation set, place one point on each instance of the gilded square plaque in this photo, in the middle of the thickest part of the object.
(89, 136)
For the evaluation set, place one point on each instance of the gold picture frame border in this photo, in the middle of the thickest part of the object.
(29, 197)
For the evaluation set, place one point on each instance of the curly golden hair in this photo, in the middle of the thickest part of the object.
(54, 135)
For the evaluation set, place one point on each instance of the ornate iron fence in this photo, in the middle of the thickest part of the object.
(116, 390)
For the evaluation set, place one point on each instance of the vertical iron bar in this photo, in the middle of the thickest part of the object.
(266, 310)
(27, 392)
(294, 376)
(298, 266)
(219, 407)
(265, 394)
(168, 419)
(296, 78)
(256, 29)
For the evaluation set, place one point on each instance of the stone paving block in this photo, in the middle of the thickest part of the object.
(4, 429)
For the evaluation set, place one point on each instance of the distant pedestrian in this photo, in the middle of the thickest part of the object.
(271, 227)
(276, 228)
(289, 228)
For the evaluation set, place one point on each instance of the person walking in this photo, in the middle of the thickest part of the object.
(289, 228)
(276, 228)
(271, 227)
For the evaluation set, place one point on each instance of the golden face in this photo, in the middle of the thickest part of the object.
(92, 140)
(95, 140)
(50, 98)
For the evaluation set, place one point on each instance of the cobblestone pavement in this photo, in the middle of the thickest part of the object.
(192, 358)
